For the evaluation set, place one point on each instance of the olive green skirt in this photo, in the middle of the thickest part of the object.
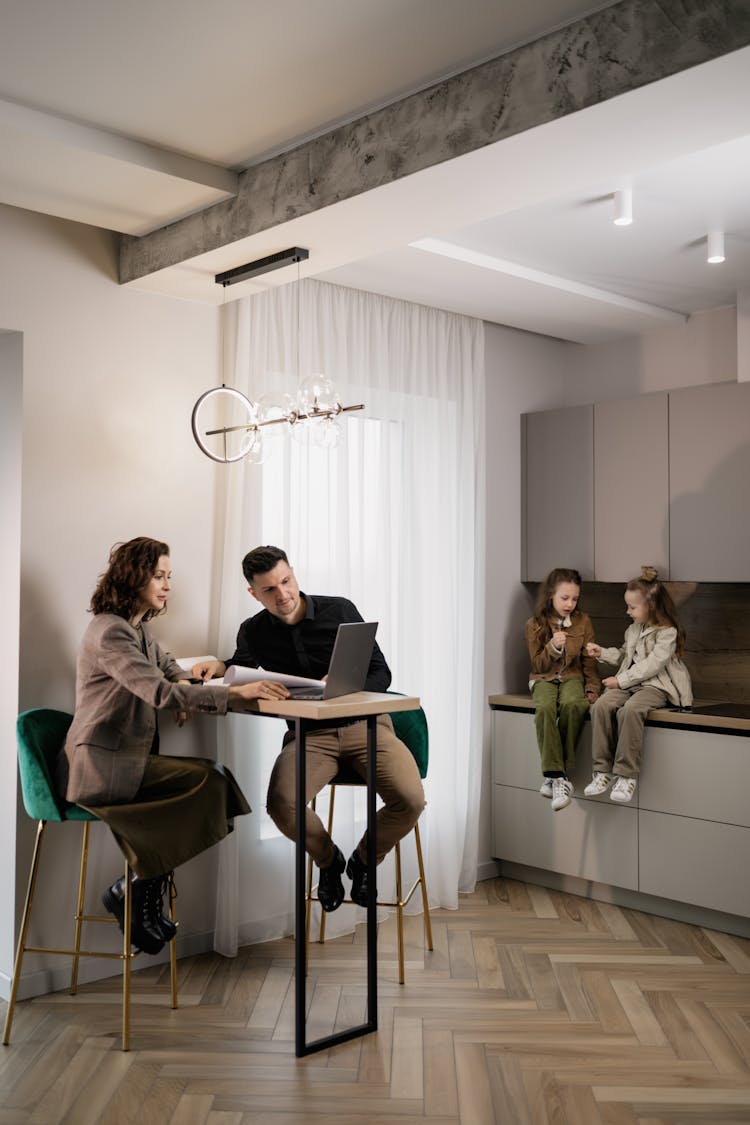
(183, 806)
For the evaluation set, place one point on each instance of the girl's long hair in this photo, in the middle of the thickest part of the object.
(132, 565)
(661, 610)
(544, 611)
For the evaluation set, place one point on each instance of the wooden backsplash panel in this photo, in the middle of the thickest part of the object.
(716, 619)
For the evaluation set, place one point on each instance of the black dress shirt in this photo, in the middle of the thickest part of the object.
(304, 649)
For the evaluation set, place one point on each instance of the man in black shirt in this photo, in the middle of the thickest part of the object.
(294, 633)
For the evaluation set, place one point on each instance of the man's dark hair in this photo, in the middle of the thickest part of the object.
(260, 560)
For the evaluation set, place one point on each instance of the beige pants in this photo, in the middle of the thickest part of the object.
(620, 752)
(397, 782)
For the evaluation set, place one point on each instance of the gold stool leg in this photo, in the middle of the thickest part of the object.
(24, 930)
(399, 914)
(423, 885)
(79, 908)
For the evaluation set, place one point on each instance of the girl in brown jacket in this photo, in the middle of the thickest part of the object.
(564, 678)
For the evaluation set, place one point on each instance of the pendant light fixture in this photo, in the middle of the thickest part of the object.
(228, 426)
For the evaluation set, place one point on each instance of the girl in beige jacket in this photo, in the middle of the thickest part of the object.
(650, 674)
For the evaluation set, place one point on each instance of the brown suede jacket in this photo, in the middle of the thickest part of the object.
(549, 663)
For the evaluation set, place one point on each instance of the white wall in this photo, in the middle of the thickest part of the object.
(109, 379)
(701, 351)
(524, 372)
(11, 364)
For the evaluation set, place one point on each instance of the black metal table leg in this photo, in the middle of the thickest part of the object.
(302, 1047)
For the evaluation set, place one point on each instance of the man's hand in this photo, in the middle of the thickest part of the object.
(592, 695)
(611, 682)
(592, 650)
(208, 670)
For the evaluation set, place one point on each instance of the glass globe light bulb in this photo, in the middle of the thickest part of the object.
(254, 454)
(317, 393)
(277, 407)
(326, 433)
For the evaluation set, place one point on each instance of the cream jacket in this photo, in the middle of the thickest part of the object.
(647, 659)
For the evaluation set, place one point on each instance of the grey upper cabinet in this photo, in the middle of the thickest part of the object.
(631, 487)
(558, 492)
(709, 443)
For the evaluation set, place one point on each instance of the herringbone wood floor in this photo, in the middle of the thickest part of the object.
(535, 1007)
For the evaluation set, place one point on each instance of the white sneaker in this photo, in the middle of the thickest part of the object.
(623, 789)
(562, 790)
(599, 784)
(546, 787)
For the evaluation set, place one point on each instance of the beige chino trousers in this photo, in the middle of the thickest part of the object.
(398, 785)
(619, 751)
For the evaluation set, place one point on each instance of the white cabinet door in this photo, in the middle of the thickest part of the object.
(695, 861)
(631, 487)
(587, 839)
(709, 453)
(558, 492)
(696, 774)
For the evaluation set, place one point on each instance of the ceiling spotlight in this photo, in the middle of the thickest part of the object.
(623, 208)
(715, 242)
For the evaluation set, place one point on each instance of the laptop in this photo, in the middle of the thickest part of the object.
(350, 661)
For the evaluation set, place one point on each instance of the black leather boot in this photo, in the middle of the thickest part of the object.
(160, 920)
(143, 934)
(114, 900)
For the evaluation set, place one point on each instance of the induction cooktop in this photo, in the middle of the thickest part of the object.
(725, 710)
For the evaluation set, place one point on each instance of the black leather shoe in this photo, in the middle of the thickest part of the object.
(357, 872)
(330, 887)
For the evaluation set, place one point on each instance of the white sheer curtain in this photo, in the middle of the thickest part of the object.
(393, 518)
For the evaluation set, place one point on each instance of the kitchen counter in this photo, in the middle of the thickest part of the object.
(727, 718)
(679, 848)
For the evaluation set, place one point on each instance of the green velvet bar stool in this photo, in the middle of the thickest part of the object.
(40, 735)
(411, 728)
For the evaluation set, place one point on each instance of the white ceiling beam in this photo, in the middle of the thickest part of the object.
(86, 138)
(550, 280)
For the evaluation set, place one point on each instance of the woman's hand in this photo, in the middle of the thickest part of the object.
(611, 682)
(591, 695)
(593, 649)
(558, 639)
(261, 689)
(208, 670)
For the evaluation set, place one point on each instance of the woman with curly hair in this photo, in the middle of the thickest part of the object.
(162, 810)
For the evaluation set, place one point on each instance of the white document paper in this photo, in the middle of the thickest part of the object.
(236, 674)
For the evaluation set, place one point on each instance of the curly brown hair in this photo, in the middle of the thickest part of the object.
(661, 610)
(132, 565)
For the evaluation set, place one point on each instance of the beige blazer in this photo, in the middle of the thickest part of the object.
(118, 692)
